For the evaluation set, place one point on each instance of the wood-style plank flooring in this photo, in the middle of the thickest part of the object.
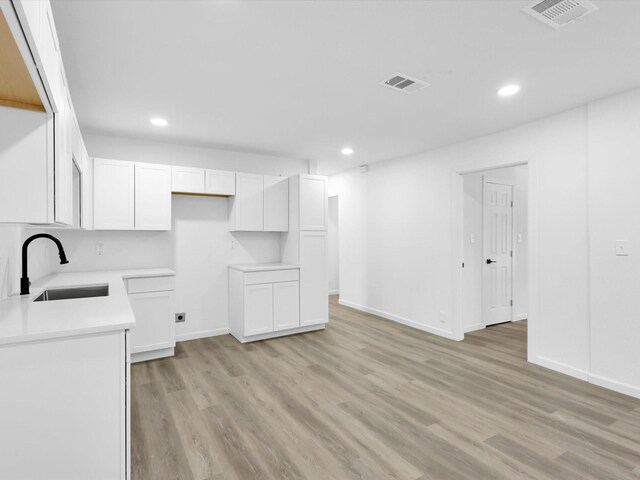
(371, 399)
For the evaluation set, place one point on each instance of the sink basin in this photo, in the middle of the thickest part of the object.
(73, 292)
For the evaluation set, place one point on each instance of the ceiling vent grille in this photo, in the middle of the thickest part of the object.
(558, 13)
(404, 83)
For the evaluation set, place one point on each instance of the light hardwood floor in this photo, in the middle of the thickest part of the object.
(371, 399)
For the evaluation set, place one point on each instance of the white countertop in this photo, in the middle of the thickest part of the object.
(22, 320)
(263, 267)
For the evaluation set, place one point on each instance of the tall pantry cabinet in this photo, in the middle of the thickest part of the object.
(306, 244)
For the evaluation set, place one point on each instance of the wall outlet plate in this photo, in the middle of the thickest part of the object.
(181, 317)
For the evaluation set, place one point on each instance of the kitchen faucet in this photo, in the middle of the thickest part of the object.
(24, 281)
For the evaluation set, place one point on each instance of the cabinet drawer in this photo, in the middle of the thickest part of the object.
(271, 276)
(150, 284)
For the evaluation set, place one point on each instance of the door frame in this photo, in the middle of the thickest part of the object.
(497, 181)
(457, 257)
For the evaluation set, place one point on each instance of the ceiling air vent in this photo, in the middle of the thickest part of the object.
(558, 13)
(404, 83)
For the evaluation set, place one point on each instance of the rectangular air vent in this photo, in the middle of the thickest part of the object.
(558, 13)
(404, 83)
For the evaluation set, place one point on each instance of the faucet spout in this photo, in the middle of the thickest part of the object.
(24, 280)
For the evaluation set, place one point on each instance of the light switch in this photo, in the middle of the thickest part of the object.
(622, 248)
(472, 239)
(519, 238)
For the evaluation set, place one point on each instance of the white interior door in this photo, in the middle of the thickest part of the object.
(497, 299)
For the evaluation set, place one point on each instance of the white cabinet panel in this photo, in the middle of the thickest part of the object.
(187, 180)
(26, 166)
(276, 204)
(220, 182)
(247, 207)
(286, 305)
(152, 197)
(63, 408)
(258, 309)
(155, 328)
(313, 202)
(314, 300)
(113, 194)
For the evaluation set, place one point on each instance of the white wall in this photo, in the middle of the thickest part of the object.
(473, 247)
(396, 245)
(333, 235)
(614, 214)
(199, 247)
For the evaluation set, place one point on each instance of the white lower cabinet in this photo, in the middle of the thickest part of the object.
(264, 303)
(154, 335)
(64, 408)
(314, 290)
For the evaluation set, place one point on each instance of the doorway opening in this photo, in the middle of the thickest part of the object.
(495, 247)
(334, 249)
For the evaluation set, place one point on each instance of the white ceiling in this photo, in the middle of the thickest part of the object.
(301, 78)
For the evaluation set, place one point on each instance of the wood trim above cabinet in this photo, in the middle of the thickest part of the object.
(17, 88)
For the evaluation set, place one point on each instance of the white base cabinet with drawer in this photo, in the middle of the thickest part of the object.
(154, 335)
(265, 303)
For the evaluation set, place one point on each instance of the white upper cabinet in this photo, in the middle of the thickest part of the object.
(220, 182)
(276, 204)
(64, 159)
(313, 202)
(152, 197)
(113, 194)
(187, 180)
(247, 207)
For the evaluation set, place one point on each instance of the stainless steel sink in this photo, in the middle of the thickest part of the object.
(73, 292)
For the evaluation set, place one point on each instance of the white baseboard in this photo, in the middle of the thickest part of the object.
(395, 318)
(474, 327)
(560, 367)
(201, 334)
(615, 386)
(152, 355)
(334, 292)
(520, 316)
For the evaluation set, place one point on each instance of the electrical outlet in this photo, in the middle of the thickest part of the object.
(99, 249)
(443, 316)
(181, 317)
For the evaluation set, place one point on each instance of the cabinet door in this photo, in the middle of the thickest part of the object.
(258, 309)
(314, 290)
(313, 202)
(155, 329)
(152, 197)
(87, 190)
(286, 305)
(276, 204)
(113, 194)
(187, 180)
(249, 202)
(220, 182)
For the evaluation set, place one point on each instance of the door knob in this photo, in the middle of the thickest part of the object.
(489, 261)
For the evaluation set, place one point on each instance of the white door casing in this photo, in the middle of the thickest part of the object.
(497, 268)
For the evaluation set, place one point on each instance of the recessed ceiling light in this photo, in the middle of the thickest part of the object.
(159, 122)
(346, 151)
(509, 90)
